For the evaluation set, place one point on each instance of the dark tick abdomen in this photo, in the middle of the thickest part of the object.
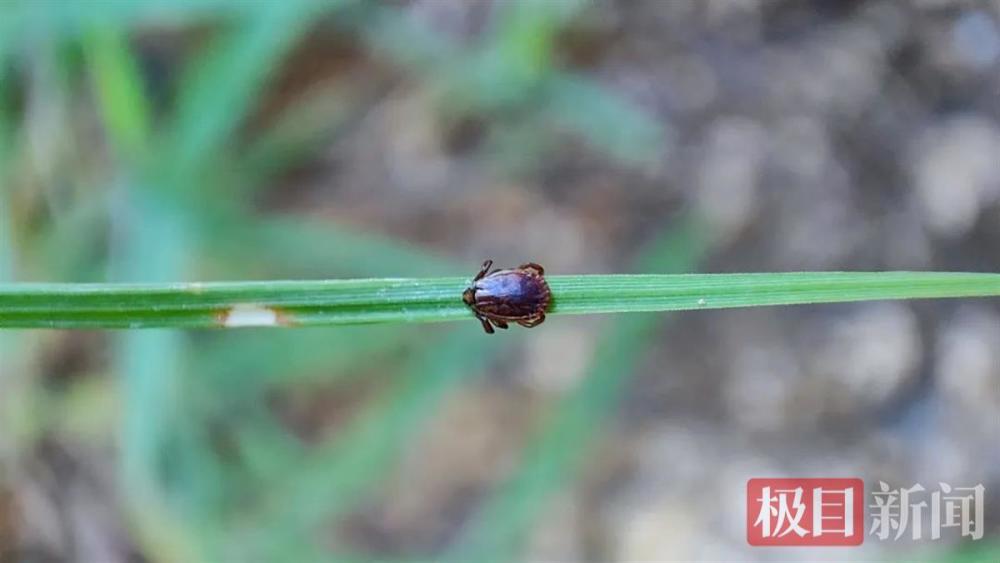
(511, 294)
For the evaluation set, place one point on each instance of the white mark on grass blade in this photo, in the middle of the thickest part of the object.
(702, 302)
(249, 314)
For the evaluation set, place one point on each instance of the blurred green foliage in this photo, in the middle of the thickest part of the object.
(206, 467)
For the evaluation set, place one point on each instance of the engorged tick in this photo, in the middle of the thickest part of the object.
(519, 295)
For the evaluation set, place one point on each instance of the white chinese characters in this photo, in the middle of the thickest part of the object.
(785, 509)
(807, 511)
(894, 511)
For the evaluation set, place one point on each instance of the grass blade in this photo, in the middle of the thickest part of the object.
(121, 95)
(222, 87)
(398, 300)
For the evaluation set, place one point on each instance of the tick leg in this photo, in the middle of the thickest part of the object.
(482, 271)
(532, 266)
(500, 324)
(486, 325)
(532, 322)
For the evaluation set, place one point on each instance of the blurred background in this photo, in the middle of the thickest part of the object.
(239, 140)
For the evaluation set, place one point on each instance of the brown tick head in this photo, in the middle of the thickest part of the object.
(469, 296)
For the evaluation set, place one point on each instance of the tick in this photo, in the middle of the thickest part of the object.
(518, 295)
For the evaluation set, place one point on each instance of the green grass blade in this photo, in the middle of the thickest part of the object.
(21, 21)
(121, 95)
(11, 349)
(224, 83)
(397, 300)
(152, 246)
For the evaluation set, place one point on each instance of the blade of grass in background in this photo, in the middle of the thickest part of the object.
(550, 461)
(218, 92)
(124, 105)
(399, 300)
(148, 245)
(22, 21)
(149, 365)
(9, 360)
(6, 148)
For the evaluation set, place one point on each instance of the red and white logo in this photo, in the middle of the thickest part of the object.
(805, 512)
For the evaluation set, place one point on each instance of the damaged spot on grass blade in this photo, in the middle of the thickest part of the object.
(252, 315)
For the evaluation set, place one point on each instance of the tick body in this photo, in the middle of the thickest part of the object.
(519, 295)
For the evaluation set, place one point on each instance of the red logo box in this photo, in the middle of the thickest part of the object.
(805, 512)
